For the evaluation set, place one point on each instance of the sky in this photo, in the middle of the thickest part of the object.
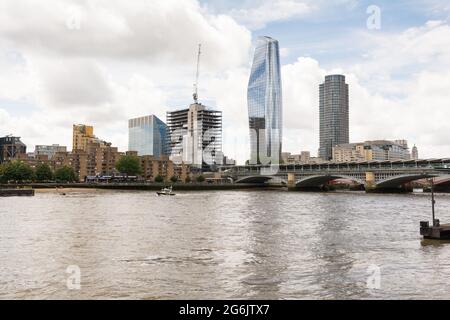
(102, 62)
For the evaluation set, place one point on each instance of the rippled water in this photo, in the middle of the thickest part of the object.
(226, 245)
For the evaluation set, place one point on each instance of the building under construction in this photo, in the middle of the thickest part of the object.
(11, 148)
(195, 136)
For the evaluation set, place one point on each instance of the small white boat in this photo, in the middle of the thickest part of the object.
(166, 192)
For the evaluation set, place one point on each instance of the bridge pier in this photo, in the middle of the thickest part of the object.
(370, 184)
(291, 180)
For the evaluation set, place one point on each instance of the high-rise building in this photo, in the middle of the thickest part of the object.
(415, 153)
(264, 99)
(11, 148)
(378, 150)
(49, 151)
(147, 136)
(334, 115)
(82, 135)
(195, 136)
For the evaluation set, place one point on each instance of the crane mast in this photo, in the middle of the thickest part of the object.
(195, 95)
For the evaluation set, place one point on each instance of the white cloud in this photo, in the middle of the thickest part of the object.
(260, 14)
(129, 60)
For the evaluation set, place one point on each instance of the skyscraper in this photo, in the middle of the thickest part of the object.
(147, 136)
(264, 99)
(334, 115)
(195, 136)
(415, 153)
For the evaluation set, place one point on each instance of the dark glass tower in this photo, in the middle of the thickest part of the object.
(334, 115)
(265, 103)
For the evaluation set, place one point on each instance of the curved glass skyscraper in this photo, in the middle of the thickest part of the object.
(265, 103)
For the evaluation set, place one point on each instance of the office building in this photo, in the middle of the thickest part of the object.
(378, 150)
(49, 151)
(11, 148)
(264, 98)
(147, 136)
(334, 115)
(195, 136)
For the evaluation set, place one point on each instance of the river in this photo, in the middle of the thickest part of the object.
(221, 244)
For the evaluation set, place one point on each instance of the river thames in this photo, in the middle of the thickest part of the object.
(221, 245)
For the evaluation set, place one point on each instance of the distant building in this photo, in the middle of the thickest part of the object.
(228, 161)
(147, 136)
(49, 151)
(82, 135)
(92, 156)
(415, 153)
(378, 150)
(334, 115)
(195, 136)
(303, 158)
(11, 148)
(264, 98)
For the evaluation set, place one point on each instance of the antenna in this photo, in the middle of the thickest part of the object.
(195, 95)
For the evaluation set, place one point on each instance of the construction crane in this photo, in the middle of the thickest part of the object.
(195, 95)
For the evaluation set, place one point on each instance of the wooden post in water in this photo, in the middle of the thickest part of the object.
(433, 202)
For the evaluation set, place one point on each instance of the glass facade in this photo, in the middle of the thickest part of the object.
(147, 136)
(264, 99)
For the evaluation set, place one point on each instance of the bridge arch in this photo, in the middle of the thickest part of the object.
(400, 180)
(318, 180)
(254, 179)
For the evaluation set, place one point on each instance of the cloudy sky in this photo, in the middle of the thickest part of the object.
(101, 62)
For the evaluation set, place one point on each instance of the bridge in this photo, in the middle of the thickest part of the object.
(373, 175)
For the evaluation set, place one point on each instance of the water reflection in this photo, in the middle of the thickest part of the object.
(234, 244)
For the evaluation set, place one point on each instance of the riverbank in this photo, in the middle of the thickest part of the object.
(42, 187)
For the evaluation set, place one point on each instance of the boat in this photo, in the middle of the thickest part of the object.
(437, 231)
(166, 192)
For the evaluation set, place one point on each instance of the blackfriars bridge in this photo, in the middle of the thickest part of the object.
(373, 175)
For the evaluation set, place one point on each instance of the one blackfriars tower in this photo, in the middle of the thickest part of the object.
(334, 115)
(265, 103)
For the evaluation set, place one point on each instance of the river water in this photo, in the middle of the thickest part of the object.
(222, 245)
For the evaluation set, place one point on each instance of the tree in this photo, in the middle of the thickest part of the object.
(65, 174)
(2, 169)
(200, 179)
(17, 171)
(44, 173)
(159, 179)
(174, 179)
(129, 165)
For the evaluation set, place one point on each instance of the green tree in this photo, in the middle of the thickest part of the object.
(65, 174)
(159, 179)
(200, 179)
(129, 165)
(2, 169)
(17, 171)
(44, 173)
(174, 179)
